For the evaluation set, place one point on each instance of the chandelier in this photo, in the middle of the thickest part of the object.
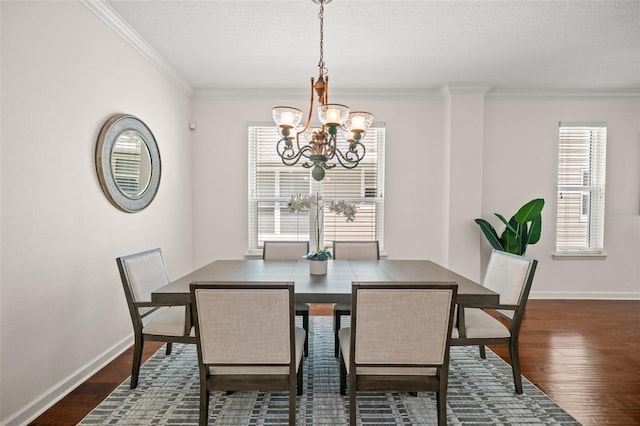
(338, 123)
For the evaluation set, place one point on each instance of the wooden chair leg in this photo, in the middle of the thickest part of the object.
(343, 376)
(483, 353)
(353, 409)
(299, 380)
(336, 326)
(515, 365)
(168, 349)
(137, 360)
(305, 325)
(441, 406)
(204, 405)
(292, 401)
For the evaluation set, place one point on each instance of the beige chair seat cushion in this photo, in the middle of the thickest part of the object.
(344, 334)
(166, 321)
(341, 307)
(302, 307)
(300, 338)
(481, 325)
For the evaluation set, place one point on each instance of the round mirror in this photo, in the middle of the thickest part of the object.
(128, 163)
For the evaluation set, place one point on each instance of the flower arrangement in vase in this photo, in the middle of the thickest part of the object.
(319, 256)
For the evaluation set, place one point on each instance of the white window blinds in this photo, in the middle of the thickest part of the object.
(126, 161)
(581, 187)
(272, 184)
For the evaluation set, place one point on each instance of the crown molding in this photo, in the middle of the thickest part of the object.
(413, 94)
(463, 90)
(563, 94)
(364, 94)
(102, 10)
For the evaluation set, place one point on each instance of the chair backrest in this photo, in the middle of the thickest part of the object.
(285, 250)
(510, 276)
(356, 250)
(141, 273)
(414, 321)
(244, 323)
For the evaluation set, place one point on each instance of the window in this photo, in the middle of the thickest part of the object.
(581, 188)
(272, 184)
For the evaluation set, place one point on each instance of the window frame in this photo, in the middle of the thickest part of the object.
(581, 186)
(377, 134)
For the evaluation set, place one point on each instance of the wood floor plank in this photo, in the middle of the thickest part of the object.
(584, 354)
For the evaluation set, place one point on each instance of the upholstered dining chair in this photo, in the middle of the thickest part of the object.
(247, 339)
(350, 250)
(290, 250)
(391, 349)
(141, 273)
(511, 277)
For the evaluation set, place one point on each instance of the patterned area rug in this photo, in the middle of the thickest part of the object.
(480, 393)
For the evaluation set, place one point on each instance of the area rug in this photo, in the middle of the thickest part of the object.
(480, 393)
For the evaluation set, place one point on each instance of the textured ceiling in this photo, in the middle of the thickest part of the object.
(395, 45)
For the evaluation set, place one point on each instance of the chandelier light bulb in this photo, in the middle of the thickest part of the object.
(287, 117)
(333, 114)
(359, 121)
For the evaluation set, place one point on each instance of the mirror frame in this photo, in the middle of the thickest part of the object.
(111, 130)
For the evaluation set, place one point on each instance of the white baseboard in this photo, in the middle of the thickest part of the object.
(585, 295)
(63, 387)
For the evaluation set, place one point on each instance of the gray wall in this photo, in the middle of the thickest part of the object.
(64, 72)
(438, 179)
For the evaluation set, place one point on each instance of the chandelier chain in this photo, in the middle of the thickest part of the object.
(321, 17)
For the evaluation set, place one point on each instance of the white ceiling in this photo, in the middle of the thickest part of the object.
(395, 45)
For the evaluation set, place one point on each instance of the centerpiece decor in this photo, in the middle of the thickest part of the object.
(319, 257)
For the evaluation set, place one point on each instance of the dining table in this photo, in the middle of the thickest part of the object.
(334, 287)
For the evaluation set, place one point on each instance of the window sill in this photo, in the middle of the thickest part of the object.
(578, 256)
(257, 254)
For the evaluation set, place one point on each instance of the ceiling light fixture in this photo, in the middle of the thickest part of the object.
(337, 123)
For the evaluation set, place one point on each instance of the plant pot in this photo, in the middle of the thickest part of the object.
(318, 267)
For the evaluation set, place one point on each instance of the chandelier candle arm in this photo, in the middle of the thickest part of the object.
(336, 119)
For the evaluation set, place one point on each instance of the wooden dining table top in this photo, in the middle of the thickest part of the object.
(334, 287)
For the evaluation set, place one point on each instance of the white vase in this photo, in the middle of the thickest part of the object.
(318, 267)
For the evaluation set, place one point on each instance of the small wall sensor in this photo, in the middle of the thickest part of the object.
(192, 126)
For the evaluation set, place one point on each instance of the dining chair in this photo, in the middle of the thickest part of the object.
(351, 250)
(391, 349)
(247, 339)
(291, 250)
(511, 277)
(141, 273)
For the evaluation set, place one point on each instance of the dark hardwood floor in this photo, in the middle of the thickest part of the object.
(584, 354)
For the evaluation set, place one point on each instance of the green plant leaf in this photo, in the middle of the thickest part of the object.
(529, 211)
(490, 233)
(511, 225)
(522, 238)
(535, 230)
(323, 254)
(511, 244)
